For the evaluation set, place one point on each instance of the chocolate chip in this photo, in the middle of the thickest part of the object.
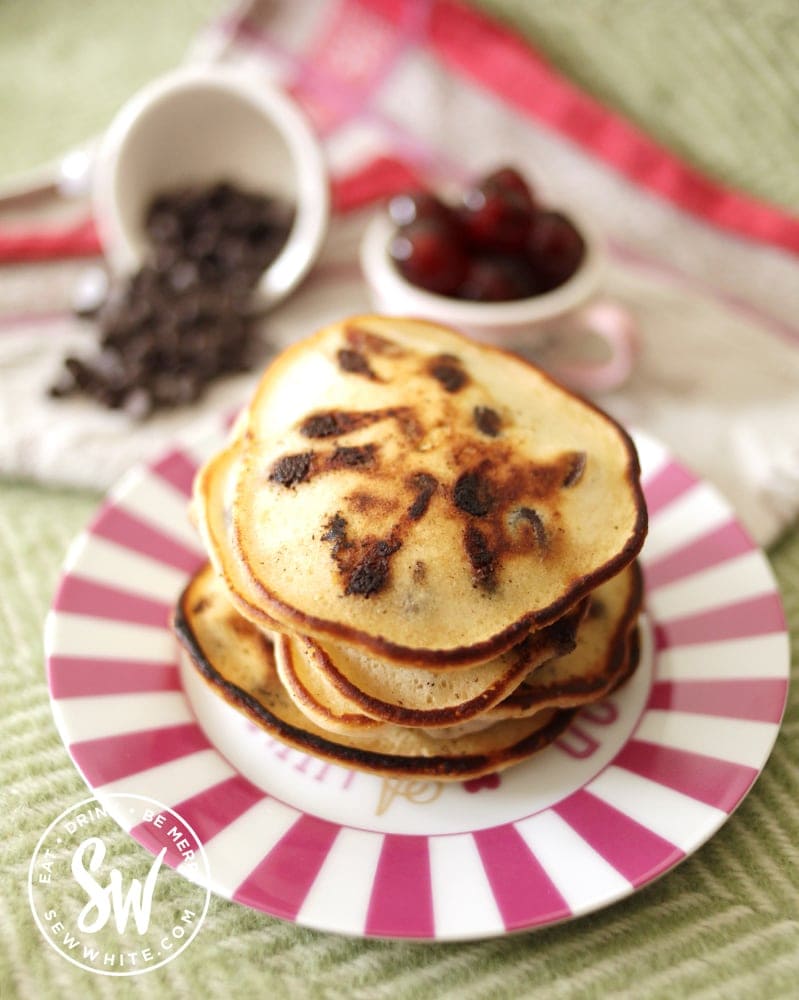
(184, 318)
(355, 363)
(370, 574)
(447, 369)
(329, 423)
(487, 420)
(336, 532)
(425, 486)
(472, 494)
(531, 517)
(481, 558)
(352, 457)
(574, 469)
(291, 469)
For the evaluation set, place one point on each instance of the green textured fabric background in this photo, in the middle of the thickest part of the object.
(718, 82)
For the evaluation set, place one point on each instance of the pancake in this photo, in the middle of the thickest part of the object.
(339, 687)
(398, 488)
(236, 659)
(605, 655)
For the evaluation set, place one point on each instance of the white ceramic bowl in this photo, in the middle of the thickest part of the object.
(202, 125)
(527, 325)
(499, 322)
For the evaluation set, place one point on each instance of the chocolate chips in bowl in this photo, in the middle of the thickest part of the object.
(185, 317)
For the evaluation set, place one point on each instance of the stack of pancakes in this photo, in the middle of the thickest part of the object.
(422, 553)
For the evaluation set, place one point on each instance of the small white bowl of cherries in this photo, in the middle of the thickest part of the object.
(506, 269)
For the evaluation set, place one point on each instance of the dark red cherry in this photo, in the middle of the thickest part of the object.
(499, 278)
(428, 256)
(496, 219)
(509, 179)
(555, 248)
(419, 206)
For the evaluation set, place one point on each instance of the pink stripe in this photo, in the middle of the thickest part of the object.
(76, 677)
(522, 889)
(754, 313)
(125, 529)
(402, 895)
(283, 879)
(207, 813)
(666, 485)
(717, 546)
(173, 834)
(715, 782)
(633, 850)
(754, 616)
(113, 757)
(215, 808)
(759, 700)
(86, 597)
(178, 470)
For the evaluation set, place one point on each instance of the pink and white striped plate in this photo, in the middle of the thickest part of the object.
(636, 783)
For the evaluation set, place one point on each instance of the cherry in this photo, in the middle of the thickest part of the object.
(428, 256)
(498, 278)
(496, 218)
(555, 248)
(419, 206)
(497, 246)
(509, 179)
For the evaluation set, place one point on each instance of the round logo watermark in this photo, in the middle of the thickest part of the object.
(104, 903)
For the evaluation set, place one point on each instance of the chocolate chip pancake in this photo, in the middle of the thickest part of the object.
(605, 654)
(236, 659)
(402, 490)
(340, 687)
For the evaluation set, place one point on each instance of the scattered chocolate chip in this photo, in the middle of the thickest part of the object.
(574, 469)
(487, 420)
(291, 469)
(373, 343)
(424, 486)
(481, 557)
(336, 532)
(184, 318)
(352, 457)
(447, 370)
(531, 517)
(419, 572)
(355, 363)
(472, 494)
(370, 574)
(333, 422)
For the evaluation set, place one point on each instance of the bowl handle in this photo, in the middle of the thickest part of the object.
(617, 328)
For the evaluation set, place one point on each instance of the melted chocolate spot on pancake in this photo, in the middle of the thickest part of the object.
(364, 565)
(419, 573)
(352, 457)
(355, 363)
(373, 343)
(448, 370)
(425, 486)
(531, 517)
(488, 421)
(472, 494)
(370, 574)
(291, 469)
(332, 422)
(574, 469)
(336, 532)
(482, 559)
